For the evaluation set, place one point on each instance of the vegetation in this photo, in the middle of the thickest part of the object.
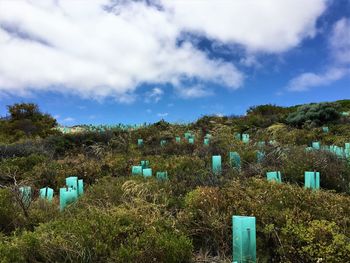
(26, 120)
(188, 218)
(314, 115)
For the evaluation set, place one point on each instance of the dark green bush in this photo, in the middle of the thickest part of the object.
(314, 115)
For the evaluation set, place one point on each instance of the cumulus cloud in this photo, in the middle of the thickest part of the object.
(339, 44)
(269, 25)
(99, 48)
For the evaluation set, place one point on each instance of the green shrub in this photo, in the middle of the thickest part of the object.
(335, 172)
(22, 149)
(319, 240)
(25, 120)
(10, 215)
(208, 221)
(314, 115)
(138, 233)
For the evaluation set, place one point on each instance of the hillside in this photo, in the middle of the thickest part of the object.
(167, 192)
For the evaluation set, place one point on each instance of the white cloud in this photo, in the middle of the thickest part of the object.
(340, 52)
(309, 80)
(78, 47)
(250, 61)
(340, 41)
(162, 115)
(149, 111)
(269, 25)
(154, 95)
(192, 92)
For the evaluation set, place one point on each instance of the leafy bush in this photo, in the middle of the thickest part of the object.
(22, 149)
(135, 231)
(318, 239)
(314, 115)
(26, 120)
(208, 213)
(267, 110)
(9, 213)
(334, 172)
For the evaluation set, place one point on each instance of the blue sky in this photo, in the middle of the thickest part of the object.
(104, 62)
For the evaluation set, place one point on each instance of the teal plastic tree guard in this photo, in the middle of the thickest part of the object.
(67, 196)
(80, 187)
(162, 142)
(274, 176)
(245, 138)
(46, 193)
(162, 176)
(260, 156)
(72, 182)
(347, 152)
(187, 135)
(316, 145)
(237, 136)
(339, 151)
(75, 184)
(147, 172)
(235, 160)
(216, 164)
(177, 139)
(191, 140)
(26, 194)
(139, 142)
(144, 164)
(244, 239)
(325, 129)
(312, 180)
(208, 136)
(136, 170)
(325, 148)
(206, 141)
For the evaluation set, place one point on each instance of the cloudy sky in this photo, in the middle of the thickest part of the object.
(110, 61)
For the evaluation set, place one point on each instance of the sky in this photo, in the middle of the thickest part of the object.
(119, 61)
